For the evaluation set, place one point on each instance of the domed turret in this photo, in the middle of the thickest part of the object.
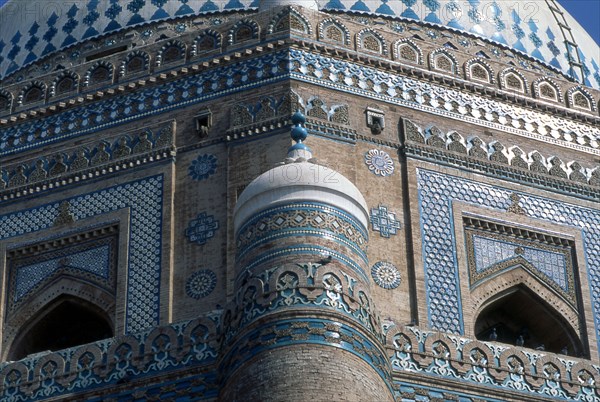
(300, 179)
(301, 237)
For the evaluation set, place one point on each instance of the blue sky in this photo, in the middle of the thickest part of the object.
(587, 12)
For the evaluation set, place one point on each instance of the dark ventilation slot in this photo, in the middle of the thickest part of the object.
(105, 53)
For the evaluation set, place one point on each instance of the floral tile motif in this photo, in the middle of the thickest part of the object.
(203, 167)
(202, 228)
(386, 275)
(379, 162)
(200, 284)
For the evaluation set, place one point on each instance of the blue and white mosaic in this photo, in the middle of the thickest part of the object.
(202, 228)
(386, 275)
(203, 167)
(351, 78)
(379, 162)
(95, 261)
(437, 192)
(272, 67)
(36, 29)
(384, 221)
(201, 283)
(489, 252)
(532, 28)
(110, 112)
(144, 200)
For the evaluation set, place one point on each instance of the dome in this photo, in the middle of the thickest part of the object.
(32, 29)
(535, 28)
(300, 182)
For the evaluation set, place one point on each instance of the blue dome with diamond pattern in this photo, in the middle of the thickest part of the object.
(540, 28)
(32, 29)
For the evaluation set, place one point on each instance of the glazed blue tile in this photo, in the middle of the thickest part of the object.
(360, 6)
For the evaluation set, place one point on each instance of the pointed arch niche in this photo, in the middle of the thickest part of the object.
(65, 322)
(518, 316)
(522, 281)
(65, 290)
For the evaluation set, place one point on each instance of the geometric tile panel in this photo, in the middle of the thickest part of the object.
(201, 283)
(144, 200)
(202, 228)
(203, 167)
(489, 252)
(386, 275)
(95, 261)
(32, 31)
(379, 162)
(414, 94)
(384, 222)
(437, 192)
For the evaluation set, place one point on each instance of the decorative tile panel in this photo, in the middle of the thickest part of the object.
(443, 101)
(386, 275)
(304, 67)
(203, 167)
(144, 200)
(306, 219)
(93, 262)
(151, 100)
(144, 360)
(201, 229)
(524, 28)
(438, 191)
(501, 369)
(384, 221)
(379, 162)
(490, 252)
(70, 23)
(201, 283)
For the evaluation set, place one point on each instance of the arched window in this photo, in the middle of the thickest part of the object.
(207, 41)
(520, 317)
(242, 31)
(99, 73)
(5, 100)
(33, 94)
(580, 98)
(136, 62)
(332, 30)
(477, 69)
(289, 19)
(547, 89)
(67, 322)
(405, 49)
(443, 61)
(172, 53)
(513, 80)
(370, 40)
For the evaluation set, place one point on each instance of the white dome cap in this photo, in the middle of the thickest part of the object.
(300, 180)
(296, 183)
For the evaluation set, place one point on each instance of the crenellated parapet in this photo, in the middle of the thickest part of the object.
(512, 370)
(121, 367)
